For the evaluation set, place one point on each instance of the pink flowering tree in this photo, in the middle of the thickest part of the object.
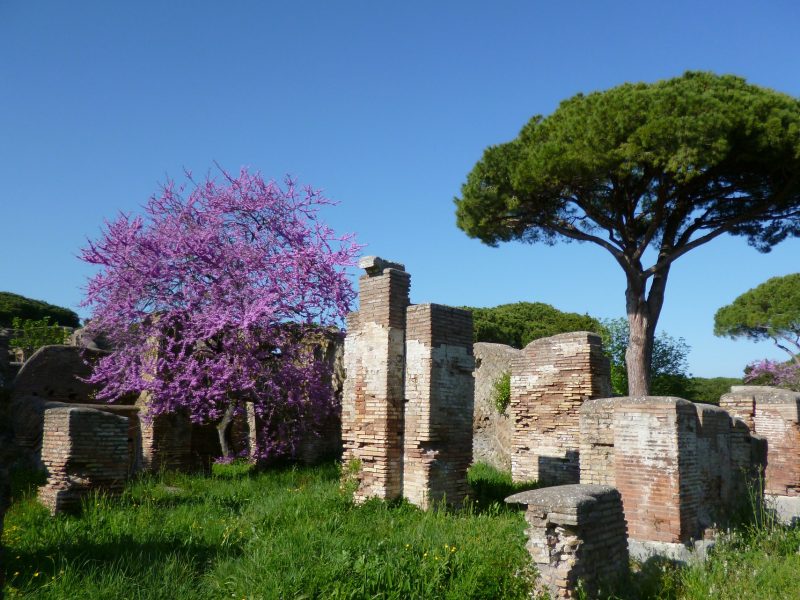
(780, 374)
(216, 297)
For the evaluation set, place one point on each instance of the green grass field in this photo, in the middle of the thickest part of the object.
(292, 533)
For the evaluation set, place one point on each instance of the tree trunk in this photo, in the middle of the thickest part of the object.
(643, 312)
(222, 431)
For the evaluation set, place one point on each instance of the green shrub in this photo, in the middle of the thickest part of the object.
(501, 393)
(30, 335)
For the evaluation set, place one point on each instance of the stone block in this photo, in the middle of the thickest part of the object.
(576, 534)
(83, 449)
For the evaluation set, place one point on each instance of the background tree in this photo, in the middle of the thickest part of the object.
(213, 299)
(669, 367)
(15, 306)
(770, 311)
(664, 167)
(520, 323)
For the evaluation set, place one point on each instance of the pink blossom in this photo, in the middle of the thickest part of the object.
(213, 296)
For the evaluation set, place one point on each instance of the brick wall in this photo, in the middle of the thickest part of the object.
(166, 439)
(439, 391)
(83, 449)
(493, 433)
(551, 378)
(773, 414)
(597, 442)
(576, 533)
(656, 467)
(372, 399)
(683, 469)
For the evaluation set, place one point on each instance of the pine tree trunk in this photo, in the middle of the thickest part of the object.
(643, 311)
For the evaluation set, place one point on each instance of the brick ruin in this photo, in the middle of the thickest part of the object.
(576, 535)
(84, 449)
(550, 379)
(408, 392)
(682, 468)
(374, 361)
(438, 411)
(492, 432)
(774, 414)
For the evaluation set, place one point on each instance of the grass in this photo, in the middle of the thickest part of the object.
(291, 533)
(286, 533)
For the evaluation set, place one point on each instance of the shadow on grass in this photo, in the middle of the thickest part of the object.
(134, 558)
(491, 486)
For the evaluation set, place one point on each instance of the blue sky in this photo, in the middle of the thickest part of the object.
(384, 105)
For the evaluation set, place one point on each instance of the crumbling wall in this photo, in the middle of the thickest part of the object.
(683, 469)
(374, 357)
(775, 415)
(439, 391)
(597, 442)
(551, 378)
(83, 450)
(576, 534)
(492, 432)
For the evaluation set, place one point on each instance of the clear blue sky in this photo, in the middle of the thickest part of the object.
(385, 105)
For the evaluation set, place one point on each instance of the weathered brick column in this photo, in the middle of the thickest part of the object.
(83, 449)
(550, 379)
(439, 391)
(372, 399)
(576, 533)
(658, 474)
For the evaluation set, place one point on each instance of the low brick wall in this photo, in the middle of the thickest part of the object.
(83, 450)
(683, 469)
(550, 379)
(439, 404)
(773, 414)
(576, 533)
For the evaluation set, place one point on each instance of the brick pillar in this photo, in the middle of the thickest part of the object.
(550, 379)
(82, 449)
(439, 391)
(658, 474)
(372, 399)
(576, 534)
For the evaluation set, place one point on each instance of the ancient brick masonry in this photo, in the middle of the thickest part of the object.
(372, 400)
(576, 533)
(83, 449)
(775, 415)
(166, 440)
(682, 468)
(493, 432)
(439, 390)
(550, 379)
